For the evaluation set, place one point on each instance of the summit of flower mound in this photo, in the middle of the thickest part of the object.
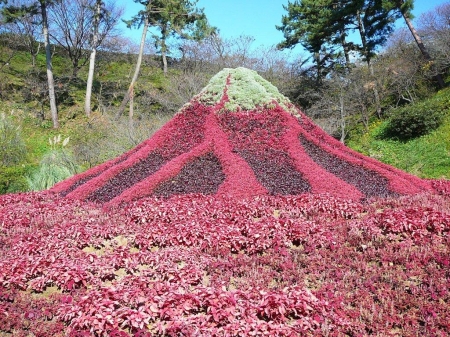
(239, 137)
(246, 90)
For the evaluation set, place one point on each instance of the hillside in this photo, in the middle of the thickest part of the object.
(302, 259)
(427, 156)
(100, 138)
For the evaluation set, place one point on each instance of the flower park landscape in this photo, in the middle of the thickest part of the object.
(239, 217)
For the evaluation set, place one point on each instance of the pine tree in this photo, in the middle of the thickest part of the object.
(170, 17)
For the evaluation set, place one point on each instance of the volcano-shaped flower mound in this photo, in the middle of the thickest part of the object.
(239, 137)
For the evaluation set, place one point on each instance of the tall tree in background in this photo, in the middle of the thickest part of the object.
(43, 5)
(103, 21)
(435, 27)
(73, 26)
(40, 7)
(141, 19)
(314, 25)
(404, 7)
(170, 17)
(48, 57)
(374, 25)
(177, 18)
(23, 24)
(95, 39)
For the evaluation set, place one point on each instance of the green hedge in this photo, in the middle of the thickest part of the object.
(415, 120)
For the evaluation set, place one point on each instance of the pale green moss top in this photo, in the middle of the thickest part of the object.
(247, 90)
(212, 93)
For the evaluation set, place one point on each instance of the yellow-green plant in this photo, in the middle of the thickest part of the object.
(55, 166)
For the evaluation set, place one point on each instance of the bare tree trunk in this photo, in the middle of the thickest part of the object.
(342, 113)
(131, 112)
(87, 103)
(136, 71)
(164, 49)
(164, 61)
(346, 51)
(48, 57)
(422, 48)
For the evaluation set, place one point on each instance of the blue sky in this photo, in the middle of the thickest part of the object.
(256, 18)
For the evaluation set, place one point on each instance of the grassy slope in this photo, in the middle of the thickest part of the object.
(36, 132)
(427, 156)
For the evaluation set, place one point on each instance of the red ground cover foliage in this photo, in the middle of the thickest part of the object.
(229, 223)
(195, 265)
(270, 149)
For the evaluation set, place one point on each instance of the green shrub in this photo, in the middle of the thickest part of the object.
(415, 120)
(12, 148)
(12, 179)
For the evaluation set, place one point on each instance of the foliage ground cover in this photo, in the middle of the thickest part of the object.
(196, 265)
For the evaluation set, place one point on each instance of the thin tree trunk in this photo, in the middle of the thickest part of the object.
(136, 71)
(131, 112)
(375, 89)
(164, 49)
(164, 62)
(342, 113)
(346, 51)
(48, 57)
(422, 47)
(87, 103)
(319, 70)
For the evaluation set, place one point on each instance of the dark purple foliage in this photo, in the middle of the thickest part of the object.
(128, 177)
(275, 171)
(370, 183)
(202, 176)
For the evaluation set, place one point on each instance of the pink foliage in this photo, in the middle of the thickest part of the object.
(198, 265)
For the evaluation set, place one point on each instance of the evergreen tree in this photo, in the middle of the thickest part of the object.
(308, 23)
(177, 18)
(170, 17)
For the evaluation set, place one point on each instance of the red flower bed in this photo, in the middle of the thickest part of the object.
(207, 265)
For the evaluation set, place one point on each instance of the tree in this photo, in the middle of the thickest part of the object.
(95, 38)
(404, 7)
(322, 26)
(22, 24)
(171, 17)
(141, 19)
(314, 25)
(103, 21)
(374, 26)
(48, 58)
(177, 18)
(40, 7)
(74, 22)
(434, 26)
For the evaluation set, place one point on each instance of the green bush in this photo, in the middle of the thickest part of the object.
(12, 148)
(12, 179)
(415, 120)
